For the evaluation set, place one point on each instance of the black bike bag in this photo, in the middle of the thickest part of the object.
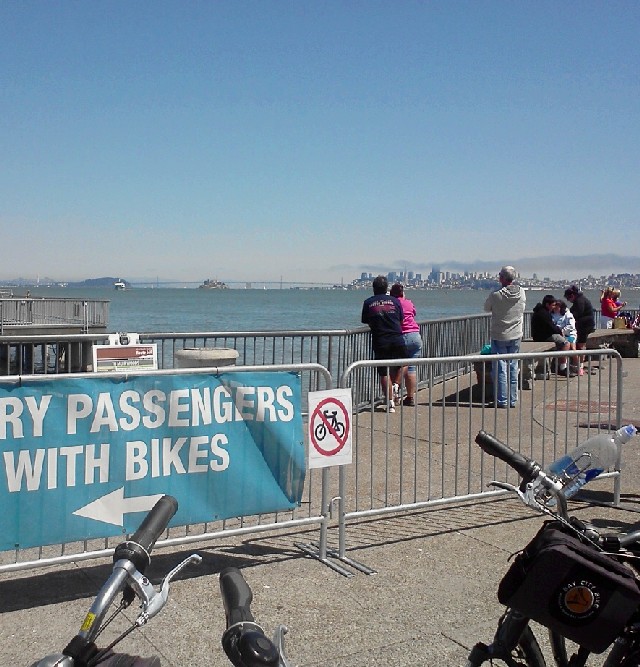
(586, 595)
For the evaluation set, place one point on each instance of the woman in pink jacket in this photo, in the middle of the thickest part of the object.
(412, 341)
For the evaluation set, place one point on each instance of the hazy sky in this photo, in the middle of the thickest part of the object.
(316, 139)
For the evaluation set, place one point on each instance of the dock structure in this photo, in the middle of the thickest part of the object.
(30, 329)
(39, 316)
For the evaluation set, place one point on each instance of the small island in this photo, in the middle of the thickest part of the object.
(213, 284)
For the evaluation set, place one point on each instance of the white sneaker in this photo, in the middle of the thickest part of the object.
(396, 394)
(391, 407)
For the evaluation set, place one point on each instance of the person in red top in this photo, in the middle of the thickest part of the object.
(412, 341)
(609, 307)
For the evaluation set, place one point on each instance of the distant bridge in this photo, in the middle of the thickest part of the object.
(249, 284)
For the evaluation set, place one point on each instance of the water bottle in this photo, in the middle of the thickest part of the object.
(588, 460)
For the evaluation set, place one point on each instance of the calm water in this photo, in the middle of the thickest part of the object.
(192, 310)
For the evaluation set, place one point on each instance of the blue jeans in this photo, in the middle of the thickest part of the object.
(505, 372)
(413, 343)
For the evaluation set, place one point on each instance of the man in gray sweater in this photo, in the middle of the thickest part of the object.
(506, 306)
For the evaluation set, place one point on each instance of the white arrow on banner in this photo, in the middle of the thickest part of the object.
(112, 507)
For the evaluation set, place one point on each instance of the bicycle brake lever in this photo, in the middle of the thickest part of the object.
(506, 486)
(526, 496)
(278, 640)
(157, 600)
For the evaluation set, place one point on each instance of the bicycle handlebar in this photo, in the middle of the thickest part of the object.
(155, 523)
(138, 548)
(244, 641)
(130, 560)
(236, 596)
(524, 466)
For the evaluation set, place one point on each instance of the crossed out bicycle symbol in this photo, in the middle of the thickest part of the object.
(330, 422)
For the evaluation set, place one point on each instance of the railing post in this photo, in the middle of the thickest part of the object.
(617, 482)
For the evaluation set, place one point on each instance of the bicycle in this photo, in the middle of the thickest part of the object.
(244, 641)
(337, 427)
(578, 583)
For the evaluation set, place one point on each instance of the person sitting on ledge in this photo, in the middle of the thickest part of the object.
(583, 313)
(544, 330)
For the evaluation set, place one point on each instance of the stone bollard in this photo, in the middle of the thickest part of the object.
(205, 357)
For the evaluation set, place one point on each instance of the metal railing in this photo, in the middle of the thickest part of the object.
(333, 349)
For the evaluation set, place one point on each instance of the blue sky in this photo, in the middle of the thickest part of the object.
(315, 140)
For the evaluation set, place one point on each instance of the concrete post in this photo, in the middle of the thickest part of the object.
(204, 357)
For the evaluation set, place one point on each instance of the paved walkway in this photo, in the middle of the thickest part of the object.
(434, 594)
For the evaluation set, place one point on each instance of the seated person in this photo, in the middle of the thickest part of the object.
(544, 330)
(563, 318)
(609, 307)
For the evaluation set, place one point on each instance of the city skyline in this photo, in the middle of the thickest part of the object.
(437, 275)
(250, 140)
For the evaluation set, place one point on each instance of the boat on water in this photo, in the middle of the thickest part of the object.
(213, 284)
(119, 285)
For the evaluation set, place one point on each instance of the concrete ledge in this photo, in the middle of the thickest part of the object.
(537, 346)
(528, 370)
(624, 341)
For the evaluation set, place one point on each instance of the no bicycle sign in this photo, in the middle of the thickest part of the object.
(329, 428)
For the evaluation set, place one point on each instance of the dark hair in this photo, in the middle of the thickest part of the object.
(397, 290)
(571, 291)
(563, 306)
(548, 298)
(380, 285)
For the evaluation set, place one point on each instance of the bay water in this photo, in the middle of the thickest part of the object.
(156, 310)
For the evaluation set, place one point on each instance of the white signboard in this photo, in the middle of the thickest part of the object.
(329, 428)
(125, 353)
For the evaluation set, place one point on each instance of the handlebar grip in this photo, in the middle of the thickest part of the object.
(155, 523)
(236, 596)
(524, 466)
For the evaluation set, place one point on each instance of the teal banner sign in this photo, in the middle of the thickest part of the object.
(82, 457)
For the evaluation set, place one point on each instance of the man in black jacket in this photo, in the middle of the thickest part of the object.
(383, 314)
(543, 329)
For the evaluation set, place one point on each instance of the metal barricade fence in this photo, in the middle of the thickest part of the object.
(313, 510)
(416, 457)
(426, 456)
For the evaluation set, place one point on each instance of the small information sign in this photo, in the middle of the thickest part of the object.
(131, 357)
(125, 353)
